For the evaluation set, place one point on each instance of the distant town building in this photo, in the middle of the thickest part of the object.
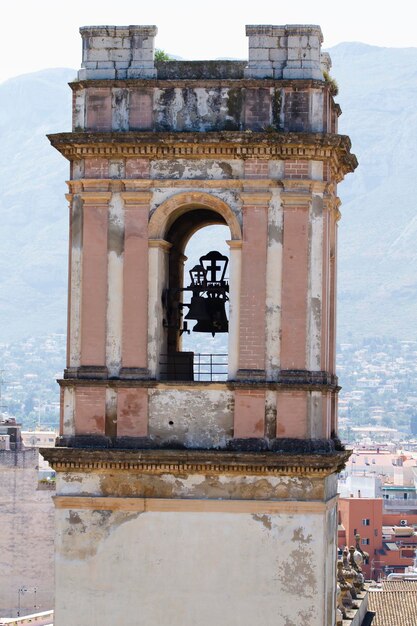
(26, 528)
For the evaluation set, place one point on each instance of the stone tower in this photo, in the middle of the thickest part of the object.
(184, 501)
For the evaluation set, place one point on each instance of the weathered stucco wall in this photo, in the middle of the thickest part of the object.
(26, 535)
(218, 564)
(203, 419)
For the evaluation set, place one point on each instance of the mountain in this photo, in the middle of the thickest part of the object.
(377, 287)
(34, 216)
(377, 282)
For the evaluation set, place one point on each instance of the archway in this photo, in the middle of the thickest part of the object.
(190, 303)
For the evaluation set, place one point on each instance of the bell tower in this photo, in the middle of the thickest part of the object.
(189, 499)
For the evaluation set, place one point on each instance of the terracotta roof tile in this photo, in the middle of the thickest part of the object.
(395, 604)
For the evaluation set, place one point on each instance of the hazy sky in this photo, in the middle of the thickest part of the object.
(44, 33)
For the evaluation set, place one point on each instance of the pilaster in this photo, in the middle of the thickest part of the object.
(94, 284)
(135, 285)
(253, 284)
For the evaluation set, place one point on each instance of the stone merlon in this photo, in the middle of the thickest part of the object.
(277, 52)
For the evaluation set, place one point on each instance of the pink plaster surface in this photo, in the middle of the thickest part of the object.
(324, 359)
(253, 288)
(137, 168)
(98, 110)
(96, 168)
(292, 414)
(90, 410)
(140, 110)
(132, 412)
(332, 297)
(294, 288)
(94, 286)
(249, 418)
(135, 288)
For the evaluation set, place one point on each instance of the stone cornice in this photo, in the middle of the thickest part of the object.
(195, 461)
(164, 83)
(214, 145)
(286, 382)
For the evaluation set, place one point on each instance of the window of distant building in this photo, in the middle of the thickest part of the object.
(365, 542)
(365, 522)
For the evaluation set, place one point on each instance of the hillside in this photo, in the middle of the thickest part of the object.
(377, 251)
(377, 287)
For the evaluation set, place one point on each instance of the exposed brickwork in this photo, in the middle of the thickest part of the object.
(326, 171)
(256, 168)
(253, 288)
(137, 168)
(249, 417)
(296, 168)
(90, 410)
(257, 109)
(96, 168)
(99, 109)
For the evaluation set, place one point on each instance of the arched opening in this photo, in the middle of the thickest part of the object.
(196, 298)
(178, 228)
(210, 346)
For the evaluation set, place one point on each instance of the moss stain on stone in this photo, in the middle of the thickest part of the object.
(276, 109)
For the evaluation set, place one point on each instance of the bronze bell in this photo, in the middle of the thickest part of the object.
(217, 319)
(198, 309)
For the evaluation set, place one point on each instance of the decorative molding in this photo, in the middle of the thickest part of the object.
(134, 373)
(96, 198)
(213, 462)
(226, 144)
(182, 505)
(137, 198)
(166, 213)
(255, 197)
(234, 244)
(160, 243)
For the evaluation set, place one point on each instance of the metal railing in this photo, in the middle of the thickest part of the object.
(201, 367)
(210, 367)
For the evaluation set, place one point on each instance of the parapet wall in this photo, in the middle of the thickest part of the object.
(278, 52)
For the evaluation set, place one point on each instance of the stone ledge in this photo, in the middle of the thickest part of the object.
(297, 459)
(183, 82)
(306, 384)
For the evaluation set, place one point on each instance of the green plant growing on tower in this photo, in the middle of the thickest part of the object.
(161, 55)
(334, 87)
